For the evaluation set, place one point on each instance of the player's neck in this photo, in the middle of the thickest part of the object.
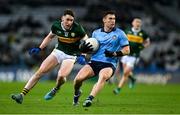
(106, 29)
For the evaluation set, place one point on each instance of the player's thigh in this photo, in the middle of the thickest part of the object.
(105, 73)
(85, 73)
(66, 67)
(49, 63)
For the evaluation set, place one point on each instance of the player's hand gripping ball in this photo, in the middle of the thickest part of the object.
(89, 45)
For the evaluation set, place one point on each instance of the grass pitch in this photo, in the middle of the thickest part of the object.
(143, 99)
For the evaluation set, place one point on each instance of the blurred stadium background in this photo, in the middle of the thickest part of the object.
(24, 23)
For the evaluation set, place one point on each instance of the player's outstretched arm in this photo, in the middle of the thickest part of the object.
(46, 40)
(146, 42)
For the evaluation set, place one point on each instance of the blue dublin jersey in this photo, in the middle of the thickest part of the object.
(112, 41)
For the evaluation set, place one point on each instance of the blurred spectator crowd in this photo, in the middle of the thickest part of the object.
(24, 24)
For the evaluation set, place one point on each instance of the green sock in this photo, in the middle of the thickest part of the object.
(118, 88)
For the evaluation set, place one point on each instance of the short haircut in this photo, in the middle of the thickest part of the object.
(137, 18)
(108, 12)
(69, 12)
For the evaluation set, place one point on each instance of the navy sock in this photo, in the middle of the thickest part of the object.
(91, 97)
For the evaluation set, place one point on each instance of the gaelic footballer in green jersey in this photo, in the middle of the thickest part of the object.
(68, 40)
(69, 34)
(138, 40)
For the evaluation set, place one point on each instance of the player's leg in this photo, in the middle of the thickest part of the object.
(132, 80)
(126, 73)
(85, 73)
(116, 76)
(128, 65)
(64, 71)
(49, 63)
(104, 75)
(117, 73)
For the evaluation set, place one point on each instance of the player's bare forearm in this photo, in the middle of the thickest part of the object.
(146, 43)
(125, 50)
(46, 40)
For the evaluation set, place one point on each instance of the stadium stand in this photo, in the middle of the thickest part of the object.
(25, 23)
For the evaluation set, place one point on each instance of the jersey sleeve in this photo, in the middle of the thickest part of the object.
(53, 28)
(93, 35)
(126, 30)
(123, 39)
(146, 36)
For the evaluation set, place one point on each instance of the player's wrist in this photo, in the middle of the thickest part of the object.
(118, 53)
(114, 54)
(40, 48)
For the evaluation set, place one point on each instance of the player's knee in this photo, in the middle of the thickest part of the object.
(104, 78)
(126, 74)
(42, 70)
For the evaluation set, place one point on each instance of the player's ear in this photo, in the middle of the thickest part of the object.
(132, 22)
(62, 18)
(103, 19)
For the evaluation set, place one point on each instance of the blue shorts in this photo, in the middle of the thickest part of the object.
(97, 66)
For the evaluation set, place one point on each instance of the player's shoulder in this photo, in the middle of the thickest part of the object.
(56, 25)
(97, 30)
(56, 22)
(128, 29)
(143, 31)
(119, 30)
(145, 34)
(76, 24)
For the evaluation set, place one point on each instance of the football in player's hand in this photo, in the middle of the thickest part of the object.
(90, 45)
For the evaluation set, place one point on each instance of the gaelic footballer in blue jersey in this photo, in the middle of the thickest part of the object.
(113, 44)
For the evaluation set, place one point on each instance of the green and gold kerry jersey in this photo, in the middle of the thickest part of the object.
(68, 41)
(136, 40)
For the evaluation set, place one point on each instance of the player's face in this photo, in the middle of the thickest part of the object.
(109, 21)
(136, 24)
(67, 21)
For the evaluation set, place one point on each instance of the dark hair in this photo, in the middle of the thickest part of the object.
(108, 12)
(137, 18)
(69, 12)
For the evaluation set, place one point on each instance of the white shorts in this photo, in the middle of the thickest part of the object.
(129, 60)
(60, 55)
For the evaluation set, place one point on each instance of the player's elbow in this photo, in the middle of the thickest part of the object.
(126, 50)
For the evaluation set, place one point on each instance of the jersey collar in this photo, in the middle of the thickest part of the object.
(136, 31)
(102, 30)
